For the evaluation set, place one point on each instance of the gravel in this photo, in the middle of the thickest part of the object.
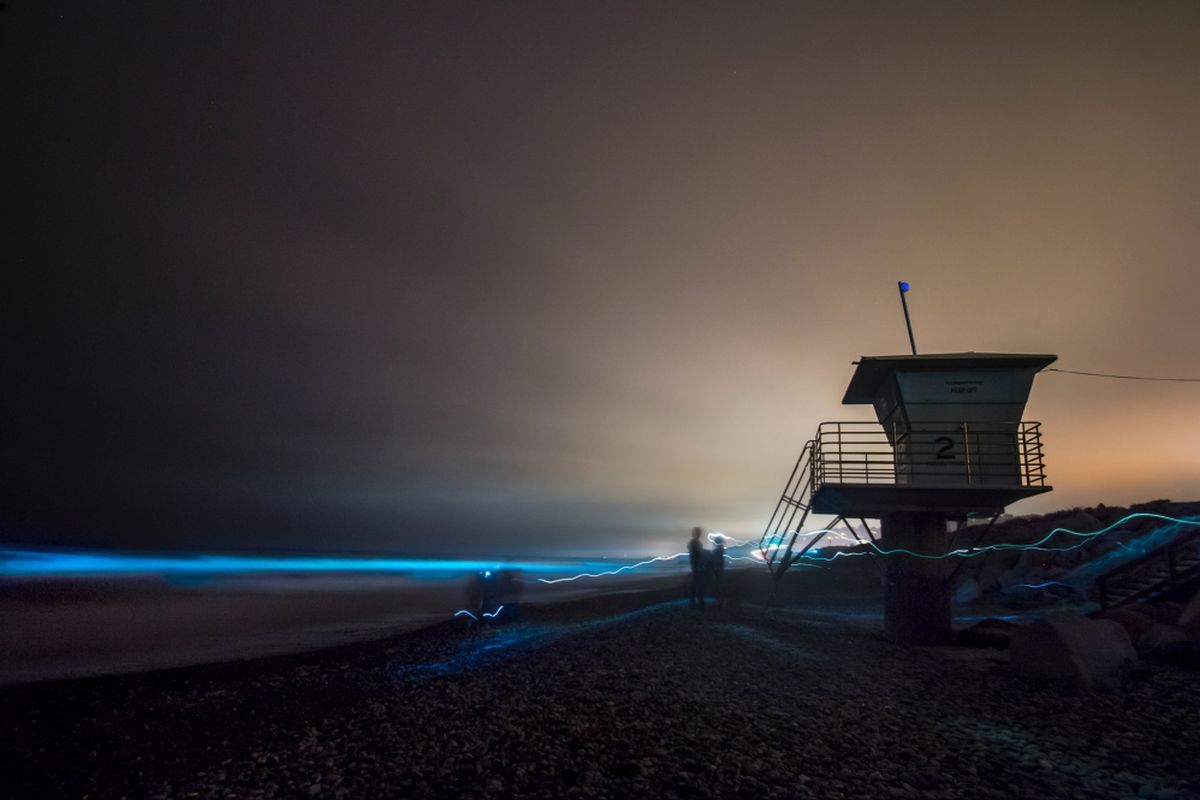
(606, 700)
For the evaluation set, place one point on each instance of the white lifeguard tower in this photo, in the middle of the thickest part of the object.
(949, 443)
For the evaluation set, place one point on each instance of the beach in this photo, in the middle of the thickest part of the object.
(623, 696)
(78, 626)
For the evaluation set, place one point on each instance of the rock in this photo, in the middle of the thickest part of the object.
(995, 633)
(1030, 567)
(1193, 633)
(1158, 612)
(967, 591)
(1169, 613)
(1071, 649)
(1011, 577)
(1135, 623)
(1081, 521)
(990, 572)
(1164, 643)
(1191, 611)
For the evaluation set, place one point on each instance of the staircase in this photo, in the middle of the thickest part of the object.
(1173, 567)
(789, 517)
(778, 543)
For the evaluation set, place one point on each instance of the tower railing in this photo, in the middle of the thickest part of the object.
(791, 512)
(929, 453)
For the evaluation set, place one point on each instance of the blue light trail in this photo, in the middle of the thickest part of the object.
(487, 614)
(815, 555)
(971, 552)
(616, 571)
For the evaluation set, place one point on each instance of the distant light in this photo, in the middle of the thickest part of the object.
(904, 286)
(487, 573)
(716, 536)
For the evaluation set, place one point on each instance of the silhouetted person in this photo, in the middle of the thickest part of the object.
(716, 571)
(698, 558)
(511, 587)
(482, 593)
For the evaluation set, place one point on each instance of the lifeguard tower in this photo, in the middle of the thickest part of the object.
(949, 443)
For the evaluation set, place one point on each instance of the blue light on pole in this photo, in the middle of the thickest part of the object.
(903, 287)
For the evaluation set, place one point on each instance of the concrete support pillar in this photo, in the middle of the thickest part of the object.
(916, 592)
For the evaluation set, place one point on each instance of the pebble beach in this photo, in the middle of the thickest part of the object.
(630, 697)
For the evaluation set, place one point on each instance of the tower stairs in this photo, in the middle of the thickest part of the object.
(780, 538)
(1163, 573)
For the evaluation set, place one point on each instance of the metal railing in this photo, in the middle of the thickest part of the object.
(941, 454)
(1175, 563)
(791, 512)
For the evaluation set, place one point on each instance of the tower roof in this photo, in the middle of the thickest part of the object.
(872, 371)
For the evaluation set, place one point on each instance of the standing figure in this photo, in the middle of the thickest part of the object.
(481, 594)
(511, 587)
(716, 569)
(698, 557)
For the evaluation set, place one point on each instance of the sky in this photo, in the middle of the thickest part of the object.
(568, 278)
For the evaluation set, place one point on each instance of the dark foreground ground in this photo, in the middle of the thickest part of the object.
(661, 702)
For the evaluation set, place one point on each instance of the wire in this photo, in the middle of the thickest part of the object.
(1122, 377)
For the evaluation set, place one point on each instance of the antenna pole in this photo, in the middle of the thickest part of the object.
(903, 287)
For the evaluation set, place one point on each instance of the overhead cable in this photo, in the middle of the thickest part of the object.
(1122, 377)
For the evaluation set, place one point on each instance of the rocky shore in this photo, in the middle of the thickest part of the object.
(607, 700)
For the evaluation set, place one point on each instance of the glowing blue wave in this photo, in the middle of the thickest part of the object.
(44, 563)
(35, 562)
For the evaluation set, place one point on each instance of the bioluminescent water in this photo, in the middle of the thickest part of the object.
(49, 563)
(32, 563)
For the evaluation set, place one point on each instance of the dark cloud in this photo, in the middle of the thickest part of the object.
(464, 276)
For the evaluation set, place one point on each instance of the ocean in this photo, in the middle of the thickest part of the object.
(65, 615)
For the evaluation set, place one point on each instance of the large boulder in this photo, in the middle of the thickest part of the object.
(1011, 577)
(967, 592)
(1134, 622)
(1191, 611)
(990, 632)
(989, 574)
(1081, 521)
(1164, 643)
(1192, 631)
(1072, 650)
